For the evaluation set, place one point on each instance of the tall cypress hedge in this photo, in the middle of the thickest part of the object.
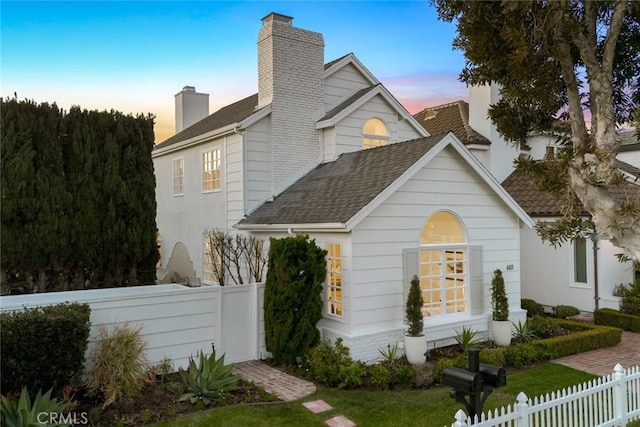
(78, 198)
(292, 297)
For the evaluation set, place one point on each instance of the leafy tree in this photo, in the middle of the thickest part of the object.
(292, 297)
(561, 60)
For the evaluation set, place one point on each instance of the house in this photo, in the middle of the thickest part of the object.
(324, 149)
(551, 276)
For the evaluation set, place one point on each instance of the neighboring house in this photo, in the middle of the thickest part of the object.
(326, 150)
(551, 276)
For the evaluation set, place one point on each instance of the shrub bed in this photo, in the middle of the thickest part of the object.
(573, 338)
(611, 317)
(43, 347)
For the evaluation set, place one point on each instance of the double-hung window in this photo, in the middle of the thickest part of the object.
(211, 170)
(178, 176)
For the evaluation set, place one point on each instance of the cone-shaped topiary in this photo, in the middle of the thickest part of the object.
(413, 309)
(499, 301)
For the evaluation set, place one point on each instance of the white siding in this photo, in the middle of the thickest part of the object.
(348, 133)
(341, 84)
(378, 241)
(258, 163)
(547, 273)
(176, 322)
(184, 218)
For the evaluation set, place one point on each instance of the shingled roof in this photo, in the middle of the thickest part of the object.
(452, 117)
(539, 203)
(232, 113)
(347, 102)
(334, 192)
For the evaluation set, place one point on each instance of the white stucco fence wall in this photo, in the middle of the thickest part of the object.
(176, 321)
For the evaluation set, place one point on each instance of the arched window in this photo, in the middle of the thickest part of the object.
(443, 265)
(374, 134)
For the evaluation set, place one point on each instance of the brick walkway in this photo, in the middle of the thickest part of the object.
(286, 387)
(602, 361)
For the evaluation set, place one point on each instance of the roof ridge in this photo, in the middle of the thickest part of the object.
(437, 107)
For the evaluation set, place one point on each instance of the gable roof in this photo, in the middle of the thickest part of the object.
(358, 99)
(338, 194)
(538, 203)
(244, 108)
(452, 117)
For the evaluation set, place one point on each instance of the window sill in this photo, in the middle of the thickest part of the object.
(580, 285)
(210, 191)
(178, 195)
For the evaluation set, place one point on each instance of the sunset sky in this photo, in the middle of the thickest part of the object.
(135, 56)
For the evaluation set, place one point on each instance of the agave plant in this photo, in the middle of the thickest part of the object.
(42, 411)
(466, 338)
(522, 332)
(207, 380)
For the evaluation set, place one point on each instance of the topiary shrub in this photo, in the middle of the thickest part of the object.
(499, 301)
(630, 303)
(292, 297)
(532, 307)
(43, 348)
(564, 311)
(413, 309)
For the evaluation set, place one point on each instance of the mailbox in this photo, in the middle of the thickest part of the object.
(493, 376)
(462, 380)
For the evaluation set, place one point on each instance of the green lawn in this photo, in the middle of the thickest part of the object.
(383, 408)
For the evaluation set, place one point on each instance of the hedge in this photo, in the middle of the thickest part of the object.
(43, 347)
(611, 317)
(585, 337)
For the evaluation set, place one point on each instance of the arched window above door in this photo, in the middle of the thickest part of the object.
(442, 227)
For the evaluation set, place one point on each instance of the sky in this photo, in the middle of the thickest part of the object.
(135, 56)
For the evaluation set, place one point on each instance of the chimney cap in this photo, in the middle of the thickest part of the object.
(273, 16)
(189, 89)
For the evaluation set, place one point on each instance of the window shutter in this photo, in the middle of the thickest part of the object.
(410, 268)
(476, 285)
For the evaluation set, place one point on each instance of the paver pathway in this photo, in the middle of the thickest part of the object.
(279, 383)
(602, 361)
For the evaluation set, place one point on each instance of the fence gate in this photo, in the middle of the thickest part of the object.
(238, 323)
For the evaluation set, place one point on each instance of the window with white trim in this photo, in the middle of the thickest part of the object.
(444, 266)
(211, 170)
(334, 279)
(580, 260)
(178, 176)
(374, 134)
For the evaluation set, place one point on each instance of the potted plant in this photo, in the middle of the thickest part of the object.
(500, 325)
(415, 345)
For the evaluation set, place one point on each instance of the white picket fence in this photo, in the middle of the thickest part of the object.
(612, 400)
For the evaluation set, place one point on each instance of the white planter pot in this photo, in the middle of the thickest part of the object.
(415, 349)
(501, 331)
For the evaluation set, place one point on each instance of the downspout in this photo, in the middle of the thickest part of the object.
(596, 297)
(237, 131)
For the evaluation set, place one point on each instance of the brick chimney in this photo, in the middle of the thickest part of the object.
(191, 107)
(290, 69)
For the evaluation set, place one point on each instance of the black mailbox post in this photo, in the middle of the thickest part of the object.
(477, 381)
